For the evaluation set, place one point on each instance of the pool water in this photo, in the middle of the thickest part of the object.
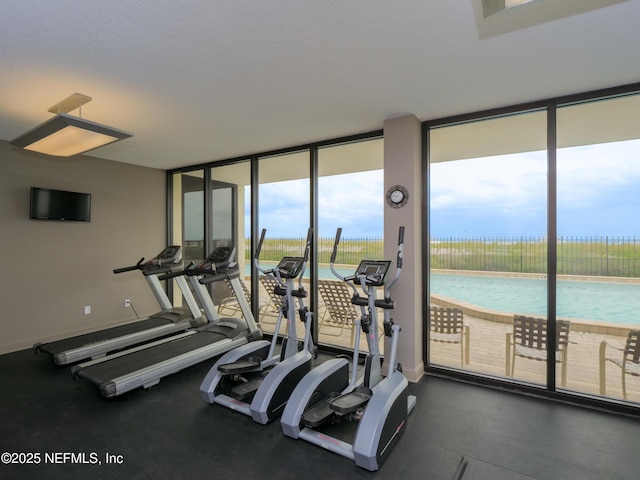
(579, 300)
(584, 300)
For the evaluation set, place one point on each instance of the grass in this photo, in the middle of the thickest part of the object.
(350, 251)
(597, 256)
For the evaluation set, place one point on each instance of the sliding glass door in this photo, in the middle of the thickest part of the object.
(488, 247)
(598, 288)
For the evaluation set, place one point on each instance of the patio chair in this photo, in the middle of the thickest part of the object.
(272, 307)
(529, 340)
(446, 325)
(339, 312)
(629, 363)
(229, 305)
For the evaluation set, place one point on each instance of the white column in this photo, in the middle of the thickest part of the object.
(402, 166)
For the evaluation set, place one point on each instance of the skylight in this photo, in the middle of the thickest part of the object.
(513, 3)
(491, 7)
(496, 17)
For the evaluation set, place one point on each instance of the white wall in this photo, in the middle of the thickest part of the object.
(51, 269)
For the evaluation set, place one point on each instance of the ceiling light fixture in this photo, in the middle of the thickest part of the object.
(65, 135)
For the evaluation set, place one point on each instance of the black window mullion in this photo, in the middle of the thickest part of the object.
(552, 232)
(208, 212)
(313, 222)
(255, 236)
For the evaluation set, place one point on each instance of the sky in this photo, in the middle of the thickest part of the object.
(598, 191)
(353, 202)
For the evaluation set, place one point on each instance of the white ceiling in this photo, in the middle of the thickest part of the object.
(203, 80)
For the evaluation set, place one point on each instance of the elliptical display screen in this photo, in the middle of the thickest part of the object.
(289, 267)
(375, 271)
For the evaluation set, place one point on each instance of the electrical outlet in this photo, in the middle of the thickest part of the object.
(127, 303)
(87, 309)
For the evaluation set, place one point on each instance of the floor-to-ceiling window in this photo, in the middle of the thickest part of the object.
(532, 224)
(230, 207)
(504, 216)
(284, 212)
(345, 190)
(350, 196)
(188, 226)
(598, 288)
(488, 246)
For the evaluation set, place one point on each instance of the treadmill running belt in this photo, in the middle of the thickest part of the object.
(66, 344)
(117, 367)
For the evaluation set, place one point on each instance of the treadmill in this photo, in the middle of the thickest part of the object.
(167, 321)
(145, 365)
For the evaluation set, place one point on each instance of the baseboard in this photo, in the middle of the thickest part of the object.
(25, 344)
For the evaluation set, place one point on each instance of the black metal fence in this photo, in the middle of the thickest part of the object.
(350, 251)
(597, 256)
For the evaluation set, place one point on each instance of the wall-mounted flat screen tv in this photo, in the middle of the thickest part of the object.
(48, 204)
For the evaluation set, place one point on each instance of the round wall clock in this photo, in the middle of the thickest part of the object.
(397, 196)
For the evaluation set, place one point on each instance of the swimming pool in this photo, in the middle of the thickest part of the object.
(584, 300)
(613, 302)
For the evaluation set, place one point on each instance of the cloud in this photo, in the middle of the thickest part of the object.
(351, 201)
(503, 182)
(589, 176)
(597, 192)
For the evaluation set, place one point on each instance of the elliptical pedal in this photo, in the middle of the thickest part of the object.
(352, 401)
(249, 365)
(245, 391)
(320, 412)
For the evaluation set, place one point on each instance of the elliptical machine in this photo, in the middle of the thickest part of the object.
(253, 379)
(377, 406)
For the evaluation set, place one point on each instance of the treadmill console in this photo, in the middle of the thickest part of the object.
(374, 271)
(170, 255)
(289, 267)
(221, 254)
(167, 260)
(219, 259)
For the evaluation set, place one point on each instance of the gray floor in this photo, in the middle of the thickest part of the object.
(457, 431)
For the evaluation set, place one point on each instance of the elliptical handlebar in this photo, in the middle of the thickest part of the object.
(400, 243)
(256, 256)
(259, 247)
(334, 253)
(335, 245)
(275, 272)
(305, 257)
(387, 288)
(307, 246)
(359, 280)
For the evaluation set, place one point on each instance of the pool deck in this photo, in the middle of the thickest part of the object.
(487, 356)
(488, 331)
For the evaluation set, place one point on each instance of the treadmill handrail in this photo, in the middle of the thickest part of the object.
(177, 273)
(156, 270)
(137, 266)
(216, 277)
